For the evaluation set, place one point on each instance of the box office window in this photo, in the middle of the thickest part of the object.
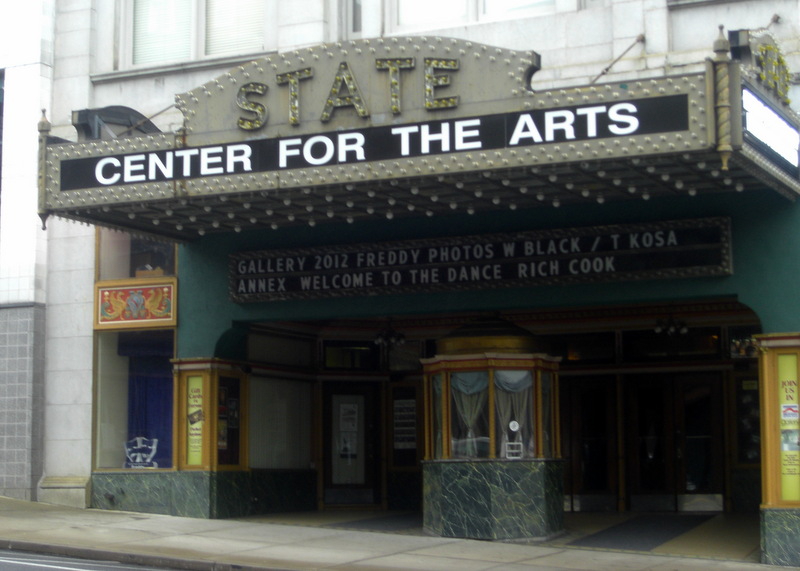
(469, 428)
(512, 395)
(134, 400)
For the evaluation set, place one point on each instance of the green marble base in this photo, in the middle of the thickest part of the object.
(210, 495)
(780, 536)
(493, 499)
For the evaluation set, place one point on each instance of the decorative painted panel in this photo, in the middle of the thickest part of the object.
(134, 304)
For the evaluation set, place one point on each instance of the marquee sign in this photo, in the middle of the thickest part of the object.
(671, 249)
(647, 116)
(410, 126)
(368, 111)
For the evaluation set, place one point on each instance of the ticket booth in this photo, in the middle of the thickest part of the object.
(492, 468)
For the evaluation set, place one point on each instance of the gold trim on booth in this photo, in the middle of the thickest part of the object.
(445, 365)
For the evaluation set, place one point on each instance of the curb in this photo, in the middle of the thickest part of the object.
(162, 561)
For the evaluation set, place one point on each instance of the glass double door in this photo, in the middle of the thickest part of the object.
(675, 443)
(651, 442)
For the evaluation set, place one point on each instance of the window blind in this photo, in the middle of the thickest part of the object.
(161, 31)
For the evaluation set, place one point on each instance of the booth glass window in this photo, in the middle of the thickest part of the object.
(437, 416)
(513, 397)
(492, 413)
(134, 399)
(469, 428)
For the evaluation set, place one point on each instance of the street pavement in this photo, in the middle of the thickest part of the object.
(224, 545)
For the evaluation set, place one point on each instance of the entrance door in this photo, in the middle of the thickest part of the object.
(351, 443)
(674, 448)
(589, 436)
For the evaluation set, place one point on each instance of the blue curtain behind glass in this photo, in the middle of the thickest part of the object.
(150, 389)
(150, 404)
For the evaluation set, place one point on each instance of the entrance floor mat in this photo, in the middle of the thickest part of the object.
(642, 533)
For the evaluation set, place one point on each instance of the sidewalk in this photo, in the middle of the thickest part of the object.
(221, 545)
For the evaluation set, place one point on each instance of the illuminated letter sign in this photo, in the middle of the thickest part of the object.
(770, 133)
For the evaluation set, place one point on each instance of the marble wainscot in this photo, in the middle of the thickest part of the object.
(493, 499)
(779, 538)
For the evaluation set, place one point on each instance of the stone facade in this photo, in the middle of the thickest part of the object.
(74, 54)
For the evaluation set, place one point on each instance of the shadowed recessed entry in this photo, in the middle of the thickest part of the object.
(674, 442)
(351, 443)
(645, 442)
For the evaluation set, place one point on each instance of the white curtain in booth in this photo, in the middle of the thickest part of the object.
(469, 391)
(514, 402)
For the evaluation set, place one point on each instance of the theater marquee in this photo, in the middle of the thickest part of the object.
(485, 133)
(670, 249)
(412, 127)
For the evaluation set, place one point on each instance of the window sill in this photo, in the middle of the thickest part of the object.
(694, 3)
(166, 69)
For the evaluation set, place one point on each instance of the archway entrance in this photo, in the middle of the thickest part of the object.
(675, 442)
(649, 421)
(644, 442)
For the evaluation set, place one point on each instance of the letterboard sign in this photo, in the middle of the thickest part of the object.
(657, 250)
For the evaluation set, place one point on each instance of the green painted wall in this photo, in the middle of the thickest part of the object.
(766, 261)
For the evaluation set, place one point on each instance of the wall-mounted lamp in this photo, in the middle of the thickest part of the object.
(671, 326)
(388, 337)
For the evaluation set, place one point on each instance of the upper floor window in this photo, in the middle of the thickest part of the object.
(411, 14)
(182, 30)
